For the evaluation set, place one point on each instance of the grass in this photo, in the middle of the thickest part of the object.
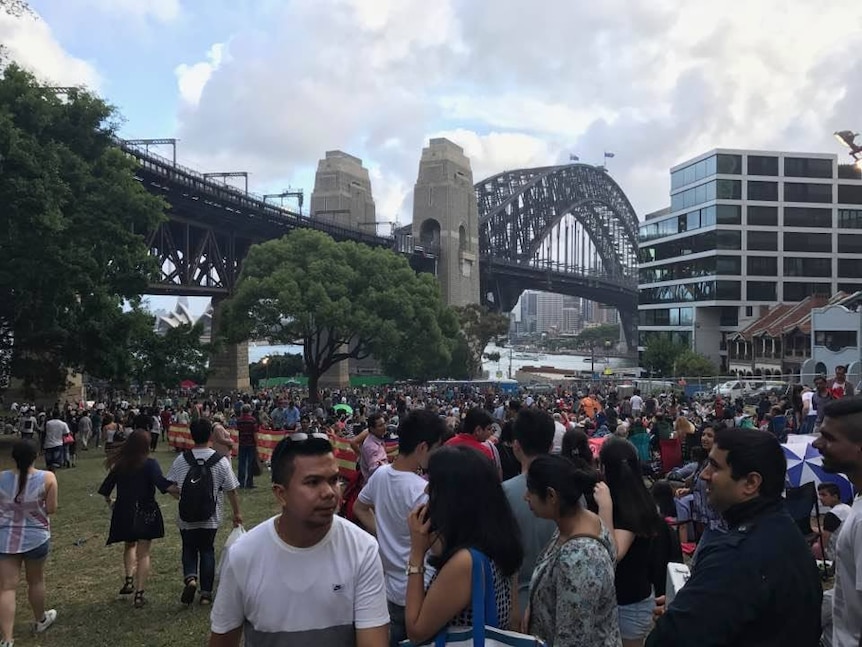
(82, 575)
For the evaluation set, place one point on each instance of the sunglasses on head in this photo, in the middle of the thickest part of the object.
(302, 436)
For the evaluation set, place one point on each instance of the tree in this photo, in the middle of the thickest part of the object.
(165, 360)
(480, 325)
(692, 364)
(71, 233)
(15, 7)
(341, 300)
(598, 335)
(286, 365)
(660, 354)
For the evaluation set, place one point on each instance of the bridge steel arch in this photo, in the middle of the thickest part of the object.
(519, 209)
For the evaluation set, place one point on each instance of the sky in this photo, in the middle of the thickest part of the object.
(268, 86)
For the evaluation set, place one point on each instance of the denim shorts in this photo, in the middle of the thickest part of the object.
(636, 619)
(32, 555)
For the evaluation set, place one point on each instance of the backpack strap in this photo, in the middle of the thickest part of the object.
(190, 458)
(213, 460)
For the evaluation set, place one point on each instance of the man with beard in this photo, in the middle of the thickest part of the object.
(840, 444)
(304, 578)
(756, 585)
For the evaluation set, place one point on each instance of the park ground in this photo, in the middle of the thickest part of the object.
(82, 575)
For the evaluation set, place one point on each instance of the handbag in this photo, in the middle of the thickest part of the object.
(483, 633)
(256, 468)
(146, 519)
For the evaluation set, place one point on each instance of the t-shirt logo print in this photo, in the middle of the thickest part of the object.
(337, 587)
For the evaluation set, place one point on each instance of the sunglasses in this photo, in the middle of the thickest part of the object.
(302, 436)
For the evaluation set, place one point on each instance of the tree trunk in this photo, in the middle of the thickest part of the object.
(313, 380)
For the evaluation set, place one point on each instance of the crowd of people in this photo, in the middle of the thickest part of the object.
(565, 503)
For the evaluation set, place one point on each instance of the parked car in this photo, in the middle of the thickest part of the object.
(734, 389)
(778, 389)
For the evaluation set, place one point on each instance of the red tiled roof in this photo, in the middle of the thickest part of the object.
(791, 318)
(757, 326)
(786, 317)
(803, 323)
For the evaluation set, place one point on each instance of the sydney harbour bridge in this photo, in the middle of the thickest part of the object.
(566, 229)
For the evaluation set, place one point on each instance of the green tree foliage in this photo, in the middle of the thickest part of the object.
(480, 325)
(15, 7)
(71, 243)
(287, 365)
(692, 364)
(598, 335)
(165, 360)
(660, 354)
(341, 300)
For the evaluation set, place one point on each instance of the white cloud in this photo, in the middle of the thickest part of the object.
(163, 11)
(30, 43)
(192, 79)
(653, 82)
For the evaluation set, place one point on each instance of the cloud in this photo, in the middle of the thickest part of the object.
(30, 42)
(192, 79)
(654, 82)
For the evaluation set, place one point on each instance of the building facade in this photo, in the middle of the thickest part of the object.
(747, 229)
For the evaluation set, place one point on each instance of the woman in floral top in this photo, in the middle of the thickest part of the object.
(572, 597)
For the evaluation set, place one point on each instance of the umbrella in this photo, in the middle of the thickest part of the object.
(346, 408)
(187, 385)
(805, 465)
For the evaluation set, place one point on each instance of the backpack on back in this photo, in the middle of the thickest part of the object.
(197, 499)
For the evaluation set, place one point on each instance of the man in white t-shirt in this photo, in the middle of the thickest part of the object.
(637, 403)
(392, 492)
(306, 577)
(840, 444)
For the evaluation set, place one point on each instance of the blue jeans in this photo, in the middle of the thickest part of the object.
(199, 549)
(246, 457)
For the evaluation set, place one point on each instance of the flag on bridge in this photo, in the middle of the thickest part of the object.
(608, 154)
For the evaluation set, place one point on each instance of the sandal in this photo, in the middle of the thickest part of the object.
(188, 595)
(139, 599)
(128, 586)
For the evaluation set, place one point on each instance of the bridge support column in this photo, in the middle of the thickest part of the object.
(229, 362)
(629, 326)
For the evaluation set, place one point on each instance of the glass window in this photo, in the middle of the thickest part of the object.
(686, 316)
(707, 216)
(729, 164)
(761, 290)
(728, 240)
(849, 194)
(728, 265)
(760, 165)
(762, 265)
(835, 340)
(807, 192)
(797, 291)
(793, 242)
(764, 240)
(849, 268)
(806, 167)
(679, 293)
(807, 217)
(729, 316)
(849, 172)
(850, 244)
(807, 266)
(692, 220)
(850, 218)
(762, 216)
(728, 214)
(728, 290)
(765, 191)
(850, 288)
(728, 189)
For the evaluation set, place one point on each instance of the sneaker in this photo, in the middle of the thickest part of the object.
(189, 590)
(7, 643)
(47, 620)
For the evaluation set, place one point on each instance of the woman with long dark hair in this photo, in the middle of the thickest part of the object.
(466, 509)
(27, 498)
(637, 528)
(576, 447)
(136, 518)
(572, 596)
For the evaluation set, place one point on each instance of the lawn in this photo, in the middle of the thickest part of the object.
(82, 575)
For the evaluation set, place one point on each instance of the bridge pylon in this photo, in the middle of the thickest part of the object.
(228, 362)
(446, 219)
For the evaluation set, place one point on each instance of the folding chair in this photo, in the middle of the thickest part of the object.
(671, 454)
(799, 502)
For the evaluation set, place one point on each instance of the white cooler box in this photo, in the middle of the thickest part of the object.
(677, 576)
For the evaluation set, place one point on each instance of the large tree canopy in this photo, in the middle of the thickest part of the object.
(71, 243)
(341, 300)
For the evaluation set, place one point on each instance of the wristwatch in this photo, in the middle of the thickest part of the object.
(414, 570)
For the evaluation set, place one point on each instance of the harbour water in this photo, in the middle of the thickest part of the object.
(518, 360)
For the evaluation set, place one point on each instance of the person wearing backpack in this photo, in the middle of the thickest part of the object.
(202, 475)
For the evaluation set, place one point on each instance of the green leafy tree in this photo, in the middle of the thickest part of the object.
(287, 365)
(692, 364)
(166, 360)
(660, 354)
(71, 233)
(598, 335)
(480, 325)
(341, 300)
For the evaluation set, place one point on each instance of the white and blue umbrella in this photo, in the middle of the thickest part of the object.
(805, 465)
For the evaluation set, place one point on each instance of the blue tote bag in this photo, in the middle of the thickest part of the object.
(484, 632)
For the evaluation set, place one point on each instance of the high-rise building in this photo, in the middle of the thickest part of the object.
(747, 229)
(571, 320)
(549, 312)
(529, 310)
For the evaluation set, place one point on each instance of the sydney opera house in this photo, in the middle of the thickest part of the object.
(181, 314)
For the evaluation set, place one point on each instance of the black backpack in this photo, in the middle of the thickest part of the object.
(197, 500)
